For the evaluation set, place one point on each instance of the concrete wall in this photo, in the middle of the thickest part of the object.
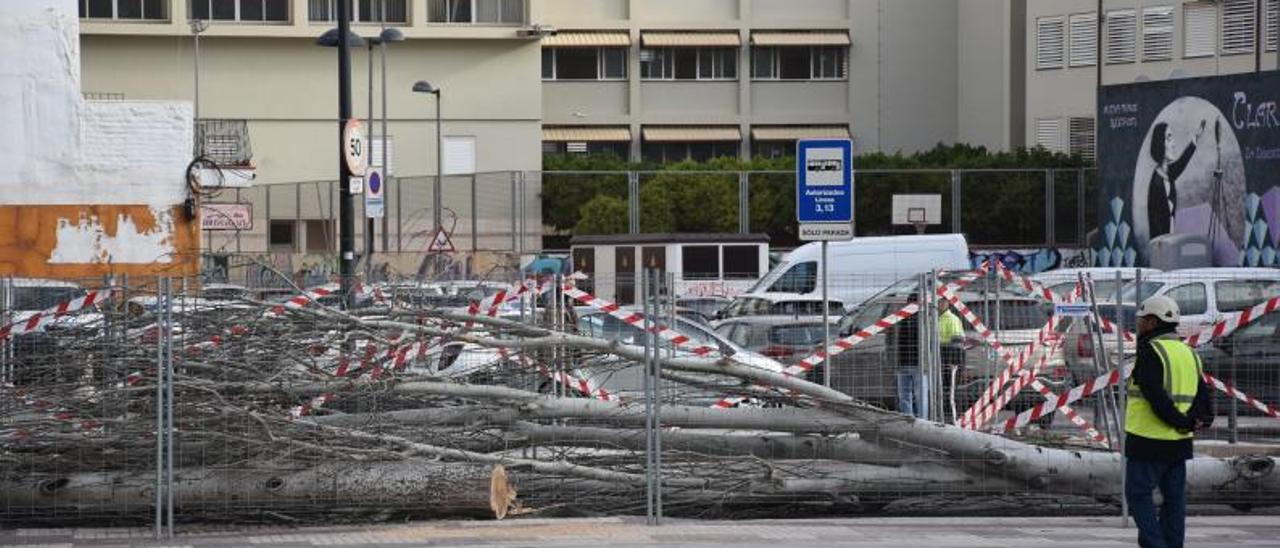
(86, 188)
(918, 74)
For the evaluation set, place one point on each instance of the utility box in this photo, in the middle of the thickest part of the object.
(1178, 251)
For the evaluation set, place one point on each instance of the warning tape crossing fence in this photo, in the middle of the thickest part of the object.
(1016, 364)
(638, 320)
(808, 363)
(303, 300)
(40, 319)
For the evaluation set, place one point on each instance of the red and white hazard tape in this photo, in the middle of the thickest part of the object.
(303, 300)
(1247, 399)
(637, 319)
(1016, 364)
(1229, 325)
(45, 317)
(811, 361)
(1024, 378)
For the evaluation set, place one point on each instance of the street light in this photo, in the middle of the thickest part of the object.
(387, 35)
(423, 86)
(342, 38)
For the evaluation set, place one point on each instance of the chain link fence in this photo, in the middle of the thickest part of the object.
(123, 398)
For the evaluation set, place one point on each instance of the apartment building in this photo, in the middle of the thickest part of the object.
(667, 80)
(1141, 40)
(267, 103)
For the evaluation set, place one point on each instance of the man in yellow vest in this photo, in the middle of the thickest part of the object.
(1167, 401)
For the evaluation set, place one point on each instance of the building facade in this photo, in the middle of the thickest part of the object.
(668, 80)
(1141, 40)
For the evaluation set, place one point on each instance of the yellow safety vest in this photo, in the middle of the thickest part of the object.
(949, 327)
(1182, 372)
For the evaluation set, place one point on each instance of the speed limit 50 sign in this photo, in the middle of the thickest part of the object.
(354, 147)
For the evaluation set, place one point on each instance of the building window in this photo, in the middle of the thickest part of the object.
(698, 151)
(773, 149)
(1238, 20)
(1050, 42)
(1157, 33)
(1049, 134)
(1199, 29)
(621, 149)
(584, 63)
(225, 142)
(1122, 36)
(700, 262)
(1084, 39)
(362, 11)
(741, 262)
(245, 11)
(1082, 137)
(476, 11)
(282, 235)
(319, 235)
(689, 63)
(132, 10)
(799, 63)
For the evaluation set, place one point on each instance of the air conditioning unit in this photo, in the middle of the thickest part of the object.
(536, 30)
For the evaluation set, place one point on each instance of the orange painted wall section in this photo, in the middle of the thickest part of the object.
(29, 235)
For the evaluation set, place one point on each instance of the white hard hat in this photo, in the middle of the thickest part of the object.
(1163, 308)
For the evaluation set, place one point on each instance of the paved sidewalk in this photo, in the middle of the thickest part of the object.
(1225, 531)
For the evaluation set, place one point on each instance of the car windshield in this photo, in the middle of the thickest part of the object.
(40, 298)
(1131, 293)
(1011, 315)
(605, 326)
(1237, 295)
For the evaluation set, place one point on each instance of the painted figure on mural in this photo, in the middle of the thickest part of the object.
(1162, 192)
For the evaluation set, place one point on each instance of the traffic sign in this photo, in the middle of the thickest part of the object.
(355, 185)
(826, 232)
(440, 242)
(354, 147)
(1077, 310)
(374, 204)
(824, 181)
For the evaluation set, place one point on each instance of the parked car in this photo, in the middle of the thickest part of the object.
(707, 306)
(1063, 281)
(787, 339)
(780, 304)
(1249, 359)
(868, 371)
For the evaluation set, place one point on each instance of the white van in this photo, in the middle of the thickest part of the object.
(1063, 281)
(1206, 296)
(861, 267)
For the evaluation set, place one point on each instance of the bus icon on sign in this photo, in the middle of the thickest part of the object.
(824, 167)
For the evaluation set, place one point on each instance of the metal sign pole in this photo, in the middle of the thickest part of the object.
(826, 320)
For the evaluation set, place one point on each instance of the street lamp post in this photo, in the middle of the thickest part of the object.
(387, 35)
(342, 38)
(423, 86)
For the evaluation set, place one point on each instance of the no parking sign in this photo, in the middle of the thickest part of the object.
(374, 205)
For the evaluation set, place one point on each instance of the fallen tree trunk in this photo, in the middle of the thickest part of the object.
(455, 489)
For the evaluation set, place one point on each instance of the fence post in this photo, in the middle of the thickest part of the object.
(955, 202)
(744, 202)
(1049, 222)
(475, 224)
(515, 210)
(633, 201)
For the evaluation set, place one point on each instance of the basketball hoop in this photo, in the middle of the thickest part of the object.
(919, 218)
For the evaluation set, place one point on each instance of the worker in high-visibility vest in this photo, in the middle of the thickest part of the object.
(1167, 401)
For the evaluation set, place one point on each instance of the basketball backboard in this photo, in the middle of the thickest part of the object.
(917, 209)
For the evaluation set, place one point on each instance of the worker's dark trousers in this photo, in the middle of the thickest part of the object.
(1167, 527)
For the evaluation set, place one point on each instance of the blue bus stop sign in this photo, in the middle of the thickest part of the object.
(824, 181)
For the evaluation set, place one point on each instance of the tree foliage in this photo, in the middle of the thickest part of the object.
(703, 197)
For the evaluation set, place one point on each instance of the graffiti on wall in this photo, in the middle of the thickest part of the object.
(1198, 157)
(1032, 261)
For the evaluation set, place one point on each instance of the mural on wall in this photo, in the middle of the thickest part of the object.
(1197, 156)
(1032, 261)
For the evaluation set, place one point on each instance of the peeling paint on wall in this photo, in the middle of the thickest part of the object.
(87, 241)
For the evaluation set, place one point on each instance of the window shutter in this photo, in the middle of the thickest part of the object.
(1050, 42)
(1084, 39)
(1049, 134)
(459, 154)
(1122, 36)
(1157, 33)
(1238, 20)
(1082, 137)
(1273, 23)
(1199, 26)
